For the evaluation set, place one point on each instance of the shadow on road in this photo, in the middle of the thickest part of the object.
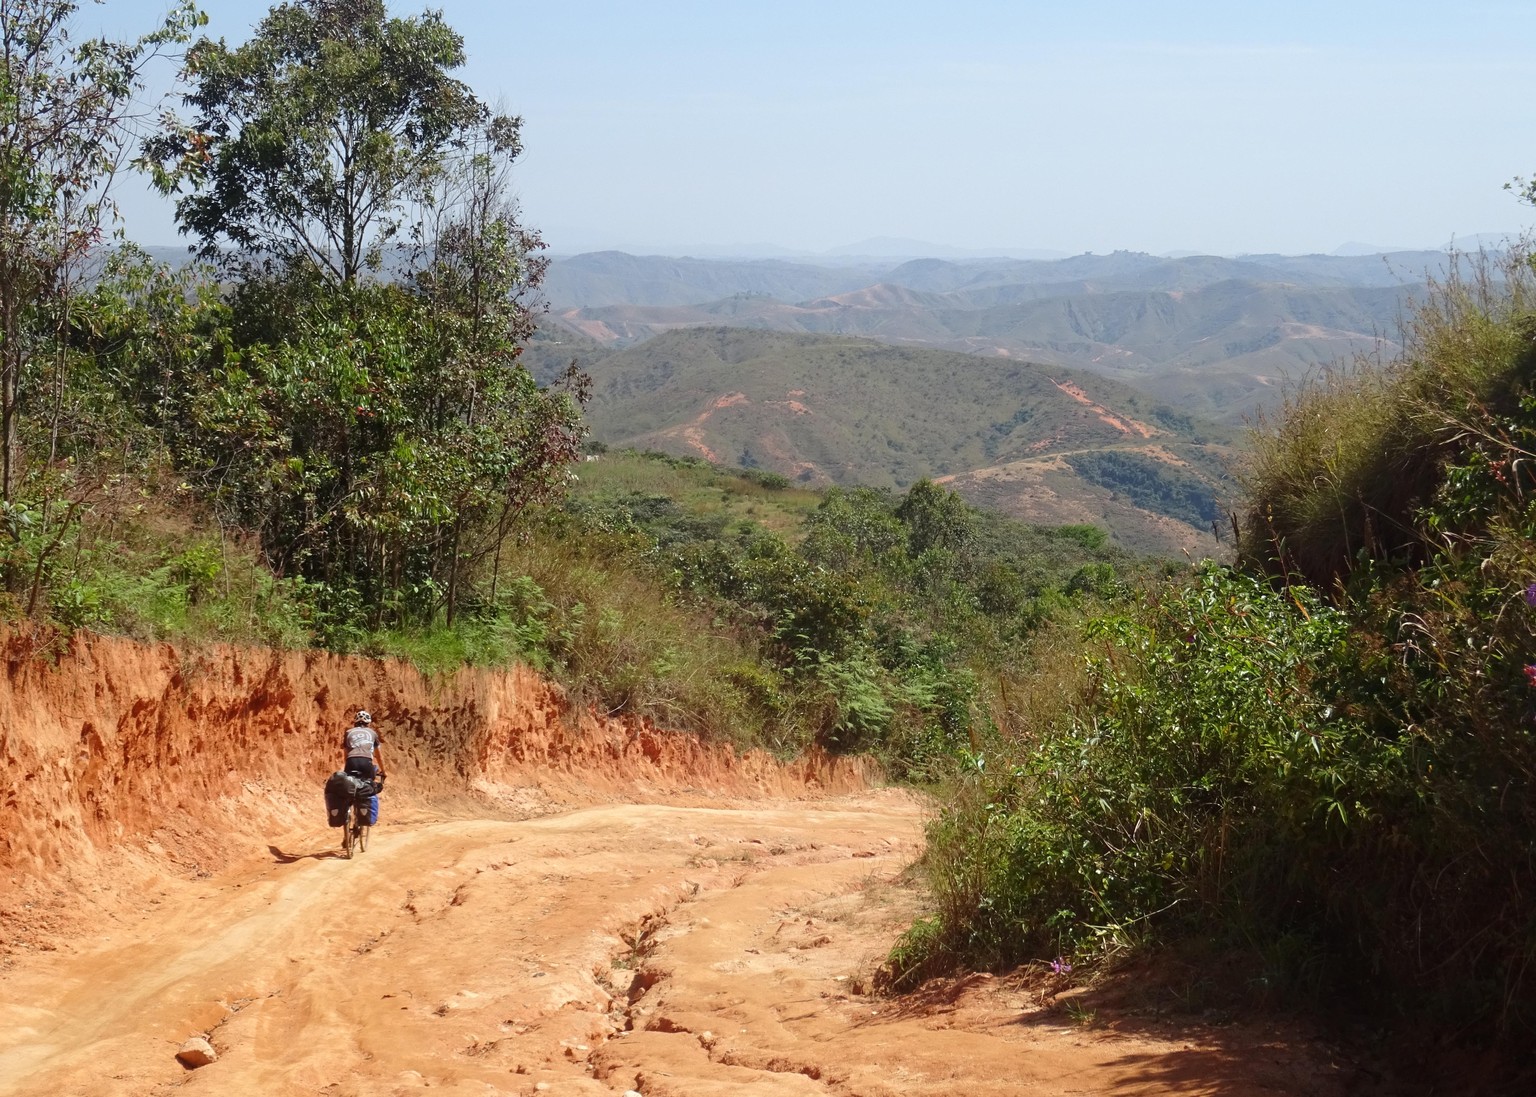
(1222, 1055)
(289, 858)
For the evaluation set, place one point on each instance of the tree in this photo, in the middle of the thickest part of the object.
(854, 531)
(935, 519)
(477, 266)
(65, 126)
(380, 432)
(313, 141)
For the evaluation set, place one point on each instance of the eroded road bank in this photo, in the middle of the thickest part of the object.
(672, 951)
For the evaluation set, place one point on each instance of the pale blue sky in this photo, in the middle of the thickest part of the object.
(1085, 126)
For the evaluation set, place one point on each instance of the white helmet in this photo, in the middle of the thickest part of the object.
(363, 717)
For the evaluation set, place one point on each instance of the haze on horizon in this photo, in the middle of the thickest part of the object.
(685, 126)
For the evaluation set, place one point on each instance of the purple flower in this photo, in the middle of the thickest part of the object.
(1061, 967)
(1530, 595)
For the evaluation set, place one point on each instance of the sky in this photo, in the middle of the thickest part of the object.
(675, 127)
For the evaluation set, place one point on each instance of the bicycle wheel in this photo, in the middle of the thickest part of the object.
(362, 838)
(349, 835)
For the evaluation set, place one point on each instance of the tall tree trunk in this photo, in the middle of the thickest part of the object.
(453, 570)
(10, 367)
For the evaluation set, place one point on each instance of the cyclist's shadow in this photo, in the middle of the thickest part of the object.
(320, 855)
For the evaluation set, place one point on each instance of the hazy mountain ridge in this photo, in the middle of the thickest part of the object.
(615, 278)
(1156, 327)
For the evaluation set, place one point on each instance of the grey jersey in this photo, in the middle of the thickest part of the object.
(360, 742)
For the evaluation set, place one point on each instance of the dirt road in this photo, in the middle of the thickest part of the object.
(672, 951)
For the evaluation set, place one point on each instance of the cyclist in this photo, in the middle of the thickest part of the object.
(363, 747)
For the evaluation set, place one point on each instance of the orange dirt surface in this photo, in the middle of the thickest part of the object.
(551, 903)
(1124, 424)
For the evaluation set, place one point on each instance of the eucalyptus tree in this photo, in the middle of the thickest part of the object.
(476, 271)
(314, 141)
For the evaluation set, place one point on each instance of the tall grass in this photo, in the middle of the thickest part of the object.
(1339, 475)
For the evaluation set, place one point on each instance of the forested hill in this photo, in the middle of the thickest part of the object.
(1029, 440)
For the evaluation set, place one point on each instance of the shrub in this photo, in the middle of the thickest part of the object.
(1199, 774)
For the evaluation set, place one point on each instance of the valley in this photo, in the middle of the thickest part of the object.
(1105, 389)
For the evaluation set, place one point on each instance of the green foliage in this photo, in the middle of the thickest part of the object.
(65, 109)
(379, 436)
(1090, 537)
(1199, 747)
(583, 603)
(890, 624)
(134, 569)
(936, 521)
(360, 464)
(311, 140)
(773, 481)
(855, 531)
(440, 649)
(1150, 484)
(1342, 790)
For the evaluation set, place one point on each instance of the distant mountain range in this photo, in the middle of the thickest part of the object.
(1091, 388)
(900, 247)
(1213, 336)
(616, 278)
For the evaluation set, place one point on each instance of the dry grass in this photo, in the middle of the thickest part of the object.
(1341, 472)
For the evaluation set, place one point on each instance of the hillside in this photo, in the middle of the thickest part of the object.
(1222, 350)
(1027, 440)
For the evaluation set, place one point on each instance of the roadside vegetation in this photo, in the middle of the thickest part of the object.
(856, 620)
(1319, 764)
(322, 430)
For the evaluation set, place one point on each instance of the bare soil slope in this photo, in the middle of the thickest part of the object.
(705, 925)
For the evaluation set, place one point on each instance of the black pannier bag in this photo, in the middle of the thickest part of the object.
(339, 791)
